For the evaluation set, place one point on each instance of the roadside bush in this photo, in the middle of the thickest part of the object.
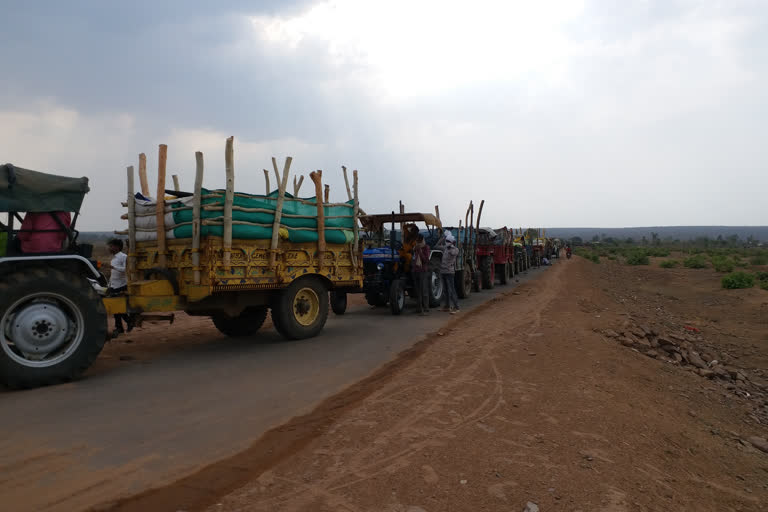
(658, 252)
(612, 257)
(762, 276)
(697, 261)
(738, 280)
(722, 264)
(668, 263)
(759, 259)
(638, 257)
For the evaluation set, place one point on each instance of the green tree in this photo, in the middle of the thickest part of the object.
(576, 240)
(644, 241)
(629, 241)
(596, 238)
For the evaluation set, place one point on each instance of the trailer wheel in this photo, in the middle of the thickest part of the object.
(300, 311)
(504, 271)
(338, 302)
(464, 282)
(477, 278)
(487, 270)
(52, 327)
(397, 296)
(436, 288)
(246, 323)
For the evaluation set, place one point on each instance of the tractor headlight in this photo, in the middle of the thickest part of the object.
(380, 266)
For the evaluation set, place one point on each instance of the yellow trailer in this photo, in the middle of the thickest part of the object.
(235, 280)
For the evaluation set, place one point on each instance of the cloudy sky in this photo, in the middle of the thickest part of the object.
(557, 113)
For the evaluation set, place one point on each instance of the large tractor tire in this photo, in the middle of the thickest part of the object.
(464, 282)
(397, 296)
(338, 302)
(52, 327)
(477, 278)
(301, 310)
(246, 323)
(505, 270)
(436, 288)
(488, 272)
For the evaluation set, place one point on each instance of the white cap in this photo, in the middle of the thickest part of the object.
(449, 237)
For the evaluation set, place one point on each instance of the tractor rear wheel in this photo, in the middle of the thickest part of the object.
(246, 323)
(488, 271)
(52, 327)
(477, 278)
(301, 310)
(464, 282)
(436, 288)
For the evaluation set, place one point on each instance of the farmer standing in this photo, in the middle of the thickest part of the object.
(420, 270)
(118, 282)
(447, 271)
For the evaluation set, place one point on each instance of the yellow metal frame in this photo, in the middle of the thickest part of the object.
(249, 269)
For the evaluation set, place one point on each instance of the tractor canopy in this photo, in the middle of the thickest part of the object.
(379, 221)
(23, 190)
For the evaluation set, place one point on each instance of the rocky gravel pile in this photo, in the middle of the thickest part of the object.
(690, 350)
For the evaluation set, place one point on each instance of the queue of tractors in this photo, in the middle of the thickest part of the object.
(232, 256)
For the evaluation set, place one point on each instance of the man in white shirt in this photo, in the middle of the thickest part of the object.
(118, 283)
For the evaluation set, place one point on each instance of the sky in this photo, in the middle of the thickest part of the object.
(556, 113)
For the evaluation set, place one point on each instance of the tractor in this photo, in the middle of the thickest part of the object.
(53, 323)
(387, 278)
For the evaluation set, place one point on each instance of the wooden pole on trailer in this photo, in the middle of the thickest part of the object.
(160, 205)
(131, 226)
(355, 215)
(297, 185)
(317, 179)
(229, 196)
(346, 182)
(282, 183)
(479, 213)
(437, 211)
(176, 186)
(143, 175)
(327, 195)
(197, 200)
(266, 179)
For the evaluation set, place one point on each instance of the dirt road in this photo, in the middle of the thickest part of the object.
(178, 397)
(527, 400)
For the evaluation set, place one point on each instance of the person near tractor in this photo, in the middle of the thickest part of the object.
(420, 271)
(118, 283)
(447, 271)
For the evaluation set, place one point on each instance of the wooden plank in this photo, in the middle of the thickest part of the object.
(175, 179)
(356, 214)
(282, 184)
(143, 175)
(131, 225)
(327, 196)
(196, 202)
(346, 182)
(317, 179)
(162, 158)
(229, 196)
(266, 179)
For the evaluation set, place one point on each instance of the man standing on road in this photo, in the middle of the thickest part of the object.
(420, 270)
(447, 271)
(118, 283)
